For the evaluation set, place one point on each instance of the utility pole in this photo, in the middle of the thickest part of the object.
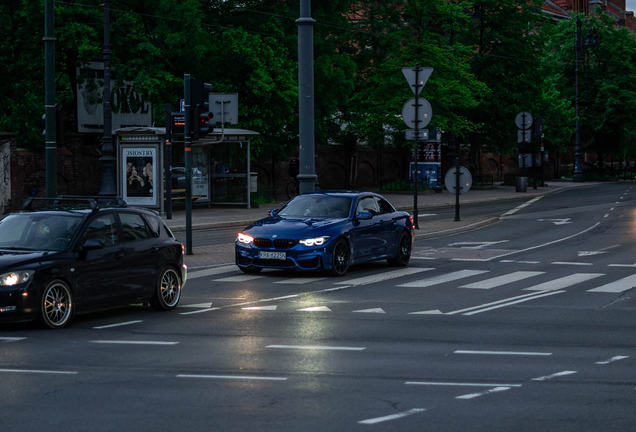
(307, 176)
(108, 159)
(49, 99)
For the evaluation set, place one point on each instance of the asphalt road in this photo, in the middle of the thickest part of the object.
(524, 325)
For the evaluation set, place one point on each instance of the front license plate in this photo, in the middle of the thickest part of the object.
(273, 255)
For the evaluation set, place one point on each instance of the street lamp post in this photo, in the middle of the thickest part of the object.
(591, 41)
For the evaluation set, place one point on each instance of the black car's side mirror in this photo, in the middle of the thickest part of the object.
(92, 244)
(272, 212)
(362, 215)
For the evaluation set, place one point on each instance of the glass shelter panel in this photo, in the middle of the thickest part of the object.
(228, 167)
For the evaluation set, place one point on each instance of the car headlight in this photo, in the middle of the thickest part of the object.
(316, 241)
(244, 238)
(14, 278)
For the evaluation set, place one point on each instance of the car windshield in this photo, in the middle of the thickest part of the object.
(317, 206)
(38, 231)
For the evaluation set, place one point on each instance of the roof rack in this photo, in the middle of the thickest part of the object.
(80, 202)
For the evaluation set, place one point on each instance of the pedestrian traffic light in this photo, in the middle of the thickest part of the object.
(59, 126)
(200, 109)
(201, 116)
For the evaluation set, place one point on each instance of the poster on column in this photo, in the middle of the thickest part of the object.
(139, 170)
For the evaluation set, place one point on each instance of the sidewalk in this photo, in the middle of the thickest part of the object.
(240, 217)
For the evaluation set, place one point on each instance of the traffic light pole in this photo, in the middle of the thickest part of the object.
(188, 162)
(168, 162)
(49, 99)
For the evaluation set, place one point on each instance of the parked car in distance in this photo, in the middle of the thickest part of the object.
(327, 230)
(69, 255)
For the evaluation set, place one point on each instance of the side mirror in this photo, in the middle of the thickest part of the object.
(362, 215)
(272, 212)
(92, 244)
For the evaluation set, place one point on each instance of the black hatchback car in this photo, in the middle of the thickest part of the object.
(63, 256)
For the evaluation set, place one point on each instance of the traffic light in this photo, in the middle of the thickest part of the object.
(202, 125)
(59, 126)
(200, 109)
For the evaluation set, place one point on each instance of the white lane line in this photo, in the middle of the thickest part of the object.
(232, 377)
(392, 416)
(428, 312)
(621, 265)
(564, 282)
(612, 209)
(502, 280)
(514, 302)
(461, 274)
(474, 395)
(492, 303)
(299, 281)
(316, 347)
(261, 308)
(520, 262)
(620, 285)
(315, 309)
(514, 210)
(606, 215)
(451, 384)
(196, 305)
(613, 359)
(37, 371)
(519, 353)
(556, 375)
(374, 310)
(133, 342)
(571, 263)
(426, 214)
(11, 339)
(423, 258)
(241, 278)
(118, 325)
(199, 311)
(383, 276)
(211, 271)
(545, 244)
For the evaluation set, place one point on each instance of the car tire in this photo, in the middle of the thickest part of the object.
(250, 269)
(56, 305)
(168, 290)
(403, 251)
(340, 257)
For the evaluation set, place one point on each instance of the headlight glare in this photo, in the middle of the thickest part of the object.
(316, 241)
(244, 238)
(15, 278)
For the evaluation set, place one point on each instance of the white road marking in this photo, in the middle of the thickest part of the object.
(211, 271)
(476, 245)
(133, 342)
(558, 374)
(613, 359)
(118, 325)
(383, 276)
(590, 253)
(38, 371)
(11, 339)
(520, 262)
(520, 353)
(564, 282)
(241, 278)
(428, 312)
(449, 277)
(474, 395)
(422, 258)
(557, 221)
(514, 210)
(570, 263)
(490, 304)
(232, 377)
(606, 215)
(299, 281)
(375, 310)
(316, 309)
(452, 384)
(392, 416)
(620, 285)
(514, 302)
(196, 305)
(502, 280)
(199, 311)
(261, 308)
(621, 265)
(316, 347)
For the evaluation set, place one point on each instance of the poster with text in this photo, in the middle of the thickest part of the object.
(139, 175)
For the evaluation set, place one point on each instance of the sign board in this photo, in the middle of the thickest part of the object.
(523, 120)
(423, 74)
(128, 107)
(424, 113)
(430, 152)
(139, 167)
(178, 123)
(224, 108)
(422, 134)
(525, 160)
(465, 180)
(428, 172)
(182, 105)
(521, 137)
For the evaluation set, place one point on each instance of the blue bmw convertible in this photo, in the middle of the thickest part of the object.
(327, 230)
